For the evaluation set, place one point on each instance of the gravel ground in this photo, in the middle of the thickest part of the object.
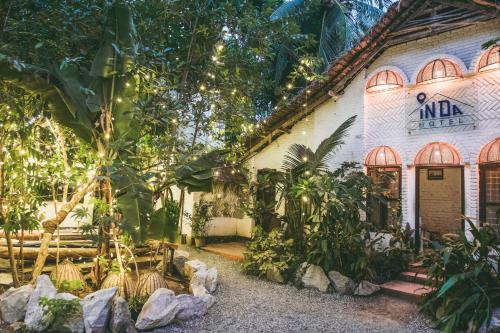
(249, 304)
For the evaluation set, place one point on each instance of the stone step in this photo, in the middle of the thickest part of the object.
(416, 277)
(417, 267)
(410, 291)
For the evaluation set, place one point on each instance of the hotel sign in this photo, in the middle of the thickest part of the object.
(439, 111)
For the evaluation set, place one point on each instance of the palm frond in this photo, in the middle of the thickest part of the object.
(333, 33)
(285, 9)
(297, 158)
(327, 146)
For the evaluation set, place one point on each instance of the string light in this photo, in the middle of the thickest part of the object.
(304, 158)
(119, 100)
(289, 86)
(203, 87)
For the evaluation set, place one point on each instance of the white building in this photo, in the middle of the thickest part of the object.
(427, 100)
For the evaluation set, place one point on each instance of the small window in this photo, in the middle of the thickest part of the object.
(490, 60)
(384, 80)
(438, 70)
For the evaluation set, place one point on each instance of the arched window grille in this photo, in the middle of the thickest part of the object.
(436, 154)
(384, 80)
(438, 70)
(490, 60)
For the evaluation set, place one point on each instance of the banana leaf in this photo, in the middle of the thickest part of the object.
(55, 90)
(134, 200)
(196, 176)
(164, 223)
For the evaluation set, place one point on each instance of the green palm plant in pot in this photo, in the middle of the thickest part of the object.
(200, 221)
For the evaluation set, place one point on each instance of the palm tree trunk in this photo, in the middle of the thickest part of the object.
(50, 226)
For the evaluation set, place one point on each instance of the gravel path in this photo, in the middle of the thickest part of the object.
(248, 304)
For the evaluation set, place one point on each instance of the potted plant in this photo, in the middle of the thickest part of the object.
(199, 221)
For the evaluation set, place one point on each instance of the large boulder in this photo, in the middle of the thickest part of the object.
(121, 318)
(35, 318)
(197, 284)
(72, 323)
(315, 277)
(159, 310)
(191, 307)
(192, 266)
(274, 274)
(342, 284)
(212, 279)
(13, 303)
(366, 288)
(97, 310)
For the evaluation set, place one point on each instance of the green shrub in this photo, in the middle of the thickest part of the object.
(269, 250)
(464, 274)
(59, 310)
(135, 305)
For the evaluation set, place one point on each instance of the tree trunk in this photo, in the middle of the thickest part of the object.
(12, 260)
(3, 214)
(50, 226)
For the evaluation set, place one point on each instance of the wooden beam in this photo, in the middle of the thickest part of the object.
(484, 7)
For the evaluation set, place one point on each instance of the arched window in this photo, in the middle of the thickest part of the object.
(490, 60)
(438, 70)
(382, 156)
(384, 80)
(437, 154)
(489, 184)
(384, 167)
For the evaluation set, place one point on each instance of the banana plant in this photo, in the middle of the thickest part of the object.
(98, 105)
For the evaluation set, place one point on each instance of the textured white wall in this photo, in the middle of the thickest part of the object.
(382, 116)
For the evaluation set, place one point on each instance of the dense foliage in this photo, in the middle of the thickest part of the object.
(267, 251)
(464, 273)
(324, 217)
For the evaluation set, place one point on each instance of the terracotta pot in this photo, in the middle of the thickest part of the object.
(148, 282)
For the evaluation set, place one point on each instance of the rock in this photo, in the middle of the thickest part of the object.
(211, 280)
(35, 318)
(315, 277)
(97, 310)
(197, 284)
(342, 284)
(72, 323)
(121, 319)
(181, 253)
(192, 266)
(13, 303)
(159, 310)
(179, 264)
(299, 273)
(198, 290)
(274, 274)
(18, 326)
(209, 300)
(494, 323)
(366, 288)
(190, 307)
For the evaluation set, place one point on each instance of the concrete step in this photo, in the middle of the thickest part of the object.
(416, 277)
(410, 291)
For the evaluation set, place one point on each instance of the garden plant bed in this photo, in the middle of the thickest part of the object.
(249, 304)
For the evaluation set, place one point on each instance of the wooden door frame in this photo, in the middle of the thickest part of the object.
(398, 168)
(417, 197)
(482, 193)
